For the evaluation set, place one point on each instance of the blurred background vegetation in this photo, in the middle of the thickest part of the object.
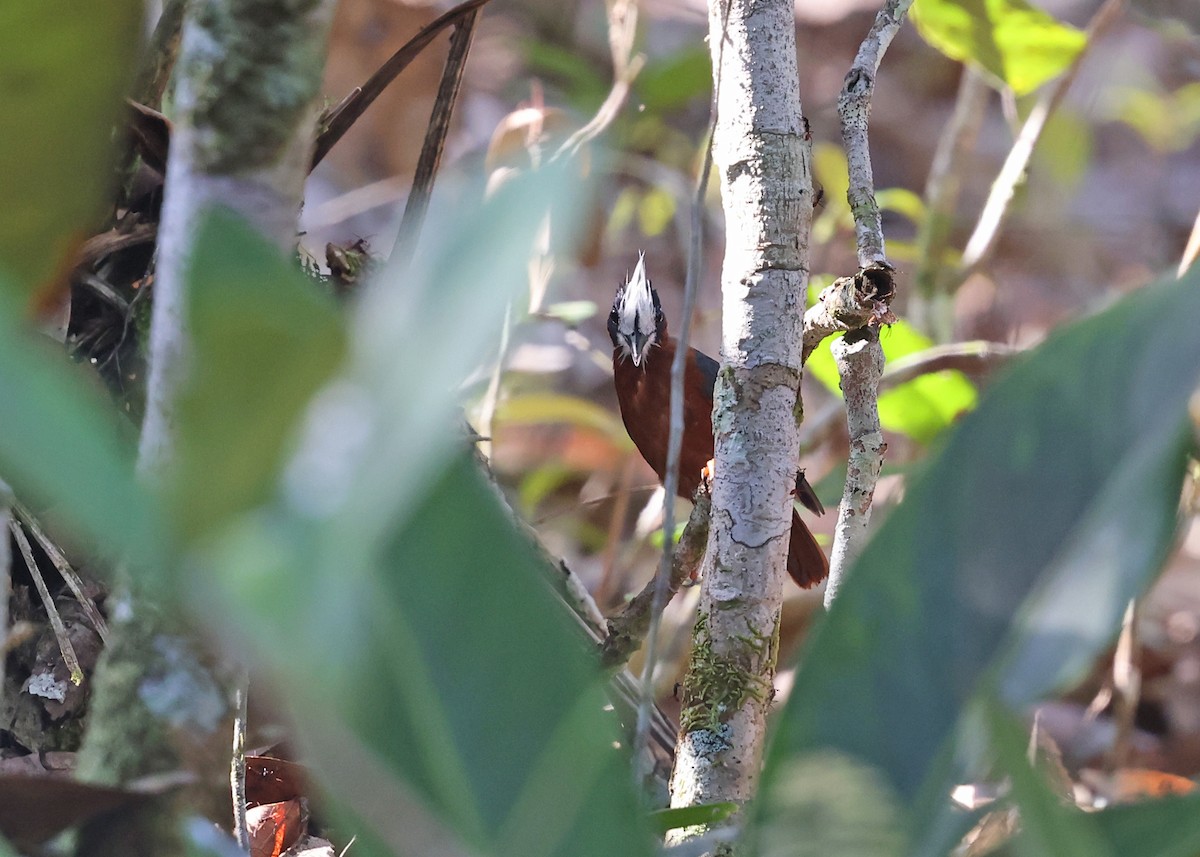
(1036, 486)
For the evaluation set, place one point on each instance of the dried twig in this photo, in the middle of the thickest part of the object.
(435, 136)
(341, 118)
(1192, 250)
(74, 581)
(983, 239)
(930, 308)
(60, 630)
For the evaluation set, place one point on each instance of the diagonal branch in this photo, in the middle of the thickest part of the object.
(339, 120)
(435, 136)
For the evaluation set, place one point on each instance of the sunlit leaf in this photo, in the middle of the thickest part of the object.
(921, 408)
(1018, 43)
(63, 71)
(902, 201)
(1014, 552)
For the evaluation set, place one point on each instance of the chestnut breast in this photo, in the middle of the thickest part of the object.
(644, 394)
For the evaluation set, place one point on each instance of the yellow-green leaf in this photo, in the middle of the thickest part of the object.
(1018, 43)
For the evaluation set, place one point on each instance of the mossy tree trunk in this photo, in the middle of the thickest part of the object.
(763, 153)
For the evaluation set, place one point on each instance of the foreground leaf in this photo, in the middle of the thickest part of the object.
(264, 340)
(64, 448)
(63, 70)
(1079, 449)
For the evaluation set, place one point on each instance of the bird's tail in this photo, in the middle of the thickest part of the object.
(806, 562)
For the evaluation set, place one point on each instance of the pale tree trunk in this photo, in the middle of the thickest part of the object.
(246, 87)
(763, 154)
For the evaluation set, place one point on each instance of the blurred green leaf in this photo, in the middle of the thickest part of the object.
(691, 816)
(441, 658)
(676, 80)
(656, 211)
(1065, 150)
(831, 170)
(902, 201)
(63, 70)
(572, 313)
(407, 624)
(921, 408)
(583, 84)
(539, 483)
(62, 445)
(264, 340)
(1168, 122)
(1166, 827)
(1063, 483)
(1018, 43)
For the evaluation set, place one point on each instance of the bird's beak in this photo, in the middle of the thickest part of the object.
(639, 348)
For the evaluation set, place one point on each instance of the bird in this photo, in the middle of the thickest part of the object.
(643, 352)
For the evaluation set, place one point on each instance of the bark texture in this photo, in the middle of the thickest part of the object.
(763, 155)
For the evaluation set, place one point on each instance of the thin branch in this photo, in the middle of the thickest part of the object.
(6, 502)
(991, 220)
(860, 365)
(850, 303)
(1192, 250)
(627, 629)
(435, 136)
(976, 359)
(662, 579)
(74, 581)
(60, 630)
(854, 108)
(858, 354)
(237, 767)
(339, 120)
(930, 308)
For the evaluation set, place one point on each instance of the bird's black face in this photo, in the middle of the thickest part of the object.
(636, 323)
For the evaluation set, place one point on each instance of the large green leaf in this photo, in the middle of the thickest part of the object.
(63, 69)
(921, 408)
(64, 449)
(264, 339)
(1166, 827)
(443, 659)
(1018, 43)
(1064, 483)
(404, 620)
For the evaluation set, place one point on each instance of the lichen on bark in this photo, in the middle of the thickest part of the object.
(249, 69)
